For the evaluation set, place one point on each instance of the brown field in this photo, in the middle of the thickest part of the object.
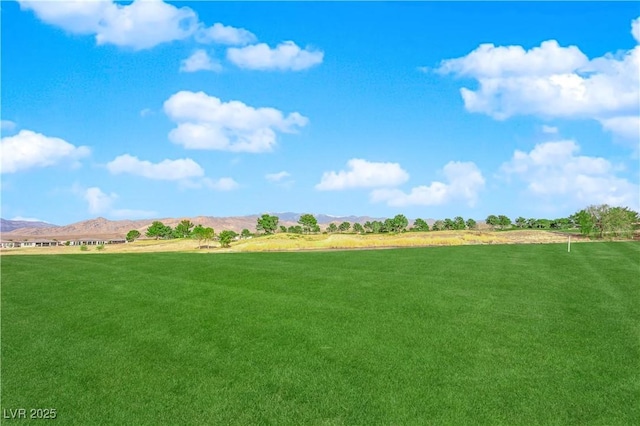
(296, 242)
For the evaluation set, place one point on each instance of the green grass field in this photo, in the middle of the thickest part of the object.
(511, 334)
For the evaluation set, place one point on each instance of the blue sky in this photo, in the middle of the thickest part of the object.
(151, 109)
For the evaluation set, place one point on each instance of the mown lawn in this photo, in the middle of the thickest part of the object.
(512, 334)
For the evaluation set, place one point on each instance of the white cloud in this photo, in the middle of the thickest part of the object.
(463, 182)
(222, 34)
(200, 61)
(146, 112)
(145, 24)
(277, 177)
(625, 127)
(363, 174)
(187, 172)
(29, 149)
(26, 219)
(165, 170)
(554, 171)
(205, 122)
(7, 125)
(285, 56)
(140, 25)
(549, 129)
(101, 203)
(280, 179)
(551, 81)
(489, 61)
(98, 201)
(79, 17)
(222, 184)
(635, 29)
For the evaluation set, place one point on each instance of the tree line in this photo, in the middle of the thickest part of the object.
(187, 229)
(597, 221)
(605, 221)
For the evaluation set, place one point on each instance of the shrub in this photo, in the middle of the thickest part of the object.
(84, 247)
(100, 247)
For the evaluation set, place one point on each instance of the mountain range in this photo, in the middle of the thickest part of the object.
(10, 225)
(101, 227)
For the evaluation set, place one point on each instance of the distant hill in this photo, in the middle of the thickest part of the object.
(105, 228)
(10, 225)
(101, 227)
(324, 219)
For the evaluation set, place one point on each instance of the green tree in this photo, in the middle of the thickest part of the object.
(377, 227)
(387, 225)
(400, 223)
(521, 222)
(619, 222)
(573, 220)
(183, 229)
(605, 221)
(589, 220)
(283, 228)
(458, 223)
(297, 229)
(208, 235)
(420, 225)
(368, 227)
(308, 222)
(438, 225)
(358, 228)
(504, 221)
(448, 224)
(132, 235)
(245, 233)
(332, 228)
(168, 232)
(561, 223)
(225, 237)
(471, 224)
(201, 234)
(492, 220)
(158, 230)
(344, 227)
(198, 234)
(542, 224)
(267, 224)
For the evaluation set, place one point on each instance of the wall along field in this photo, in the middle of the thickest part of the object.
(504, 334)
